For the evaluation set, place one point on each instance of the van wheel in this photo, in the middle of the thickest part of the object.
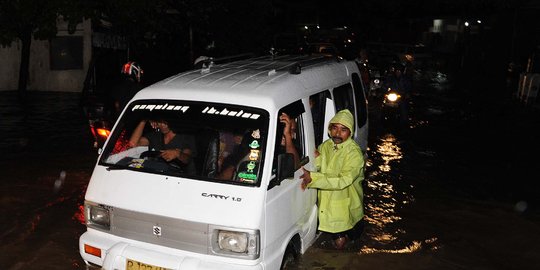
(288, 258)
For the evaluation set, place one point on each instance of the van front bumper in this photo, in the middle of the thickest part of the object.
(115, 254)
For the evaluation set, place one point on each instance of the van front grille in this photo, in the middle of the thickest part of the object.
(159, 230)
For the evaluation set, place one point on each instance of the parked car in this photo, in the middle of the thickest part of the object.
(325, 49)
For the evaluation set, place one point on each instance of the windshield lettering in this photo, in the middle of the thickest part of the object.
(227, 112)
(151, 107)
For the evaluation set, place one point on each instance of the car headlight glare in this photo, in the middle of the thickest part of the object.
(98, 216)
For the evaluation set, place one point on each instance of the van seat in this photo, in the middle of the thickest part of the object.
(208, 152)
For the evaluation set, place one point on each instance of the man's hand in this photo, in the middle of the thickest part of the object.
(287, 121)
(306, 178)
(170, 154)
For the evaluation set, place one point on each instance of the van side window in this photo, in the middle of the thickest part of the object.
(344, 98)
(294, 114)
(317, 103)
(360, 98)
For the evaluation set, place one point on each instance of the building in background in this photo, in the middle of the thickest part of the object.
(58, 64)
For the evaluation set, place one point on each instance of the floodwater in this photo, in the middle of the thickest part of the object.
(454, 189)
(45, 165)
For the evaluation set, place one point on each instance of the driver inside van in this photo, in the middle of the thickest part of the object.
(172, 147)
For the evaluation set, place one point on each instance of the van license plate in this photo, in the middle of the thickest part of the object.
(135, 265)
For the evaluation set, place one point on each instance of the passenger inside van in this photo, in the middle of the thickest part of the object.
(289, 143)
(289, 140)
(175, 148)
(239, 153)
(228, 143)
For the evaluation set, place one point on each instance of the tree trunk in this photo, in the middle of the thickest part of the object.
(26, 39)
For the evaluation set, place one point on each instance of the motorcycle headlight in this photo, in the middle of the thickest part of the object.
(392, 97)
(97, 216)
(235, 243)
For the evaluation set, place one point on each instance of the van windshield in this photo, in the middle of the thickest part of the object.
(206, 141)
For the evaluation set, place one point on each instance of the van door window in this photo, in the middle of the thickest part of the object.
(361, 102)
(317, 103)
(344, 98)
(291, 113)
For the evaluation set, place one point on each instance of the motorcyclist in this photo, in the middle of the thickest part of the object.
(397, 80)
(129, 85)
(363, 65)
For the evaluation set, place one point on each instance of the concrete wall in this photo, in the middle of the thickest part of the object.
(9, 69)
(41, 77)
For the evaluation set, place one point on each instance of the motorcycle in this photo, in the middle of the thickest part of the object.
(99, 123)
(394, 106)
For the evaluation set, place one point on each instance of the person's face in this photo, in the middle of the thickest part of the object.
(238, 139)
(163, 126)
(339, 133)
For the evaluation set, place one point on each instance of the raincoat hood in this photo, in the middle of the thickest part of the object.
(345, 118)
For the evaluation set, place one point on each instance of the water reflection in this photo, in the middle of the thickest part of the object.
(381, 201)
(389, 151)
(387, 192)
(79, 215)
(413, 247)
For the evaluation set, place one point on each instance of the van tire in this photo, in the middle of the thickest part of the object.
(289, 257)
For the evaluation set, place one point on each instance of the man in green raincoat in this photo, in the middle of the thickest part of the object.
(340, 170)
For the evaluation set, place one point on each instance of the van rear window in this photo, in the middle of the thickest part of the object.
(206, 141)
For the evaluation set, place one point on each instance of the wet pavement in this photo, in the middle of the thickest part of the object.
(454, 189)
(45, 165)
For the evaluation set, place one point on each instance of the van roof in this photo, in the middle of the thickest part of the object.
(262, 82)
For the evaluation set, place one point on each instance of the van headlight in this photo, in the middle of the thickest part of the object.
(97, 216)
(235, 243)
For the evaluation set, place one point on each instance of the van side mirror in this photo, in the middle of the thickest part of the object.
(285, 167)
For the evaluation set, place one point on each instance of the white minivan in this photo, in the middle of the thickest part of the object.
(143, 212)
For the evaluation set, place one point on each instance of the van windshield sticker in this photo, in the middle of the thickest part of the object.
(225, 111)
(163, 107)
(247, 177)
(254, 155)
(254, 144)
(249, 173)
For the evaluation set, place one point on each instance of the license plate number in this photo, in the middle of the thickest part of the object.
(135, 265)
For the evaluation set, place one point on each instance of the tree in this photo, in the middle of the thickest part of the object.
(26, 19)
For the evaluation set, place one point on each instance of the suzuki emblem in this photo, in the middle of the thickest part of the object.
(157, 231)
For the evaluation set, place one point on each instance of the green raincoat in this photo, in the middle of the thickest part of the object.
(340, 170)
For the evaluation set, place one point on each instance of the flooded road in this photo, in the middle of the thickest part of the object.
(455, 189)
(45, 165)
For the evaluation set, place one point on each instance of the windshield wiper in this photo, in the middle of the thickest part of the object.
(114, 167)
